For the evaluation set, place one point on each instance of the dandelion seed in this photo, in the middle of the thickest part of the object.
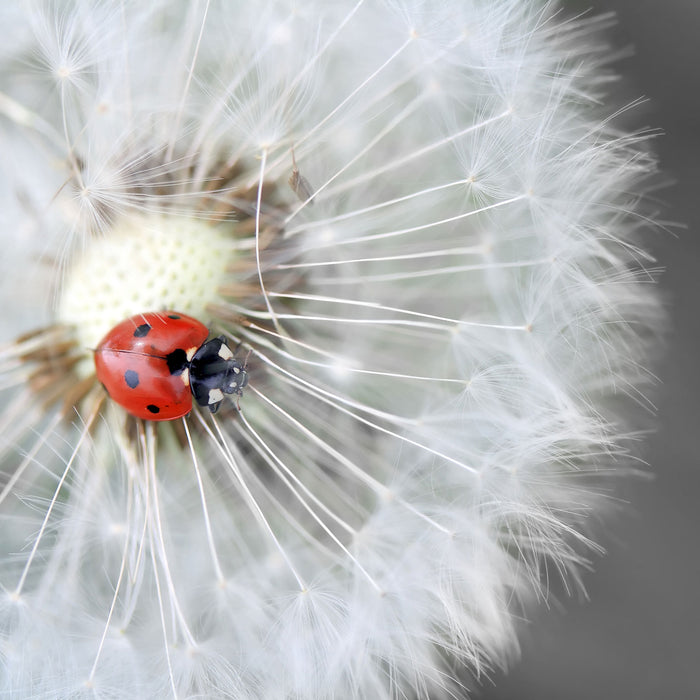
(300, 184)
(436, 363)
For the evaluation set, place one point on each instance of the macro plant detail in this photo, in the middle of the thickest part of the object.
(417, 227)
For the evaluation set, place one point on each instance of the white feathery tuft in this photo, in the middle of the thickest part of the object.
(421, 225)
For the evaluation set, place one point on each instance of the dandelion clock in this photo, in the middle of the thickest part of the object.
(323, 327)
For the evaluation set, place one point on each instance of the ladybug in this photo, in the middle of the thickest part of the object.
(153, 364)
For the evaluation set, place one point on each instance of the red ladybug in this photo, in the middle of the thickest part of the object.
(153, 364)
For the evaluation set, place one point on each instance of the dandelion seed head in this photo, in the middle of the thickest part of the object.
(414, 224)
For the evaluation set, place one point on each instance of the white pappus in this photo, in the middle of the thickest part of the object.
(442, 353)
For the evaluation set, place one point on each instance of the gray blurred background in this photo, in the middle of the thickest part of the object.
(639, 635)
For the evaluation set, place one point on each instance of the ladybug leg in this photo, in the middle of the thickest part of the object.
(238, 345)
(235, 350)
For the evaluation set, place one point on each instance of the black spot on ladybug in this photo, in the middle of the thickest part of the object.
(173, 316)
(142, 330)
(153, 408)
(131, 378)
(177, 361)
